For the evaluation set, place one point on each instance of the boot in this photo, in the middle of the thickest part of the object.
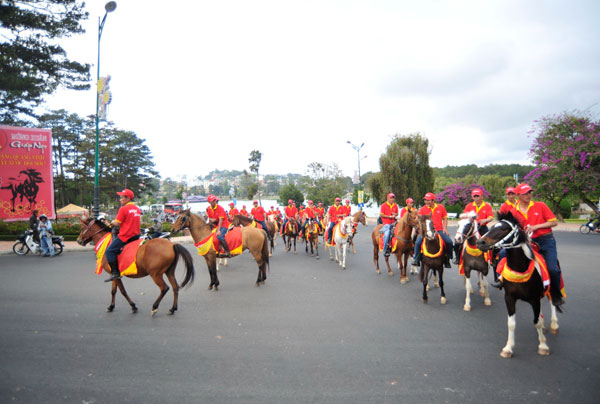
(416, 262)
(386, 250)
(455, 261)
(447, 262)
(557, 299)
(114, 272)
(227, 253)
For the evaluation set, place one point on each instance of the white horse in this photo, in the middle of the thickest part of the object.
(340, 236)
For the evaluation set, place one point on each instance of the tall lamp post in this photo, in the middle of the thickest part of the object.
(357, 148)
(109, 7)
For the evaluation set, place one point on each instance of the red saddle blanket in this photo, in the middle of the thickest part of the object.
(233, 238)
(475, 252)
(331, 243)
(126, 258)
(393, 239)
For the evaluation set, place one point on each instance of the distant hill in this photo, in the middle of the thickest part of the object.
(504, 170)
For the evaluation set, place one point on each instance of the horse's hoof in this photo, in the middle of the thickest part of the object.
(403, 280)
(318, 257)
(109, 309)
(506, 354)
(216, 288)
(487, 301)
(427, 288)
(543, 351)
(425, 300)
(481, 293)
(443, 300)
(172, 311)
(437, 285)
(553, 331)
(466, 308)
(210, 287)
(154, 312)
(134, 309)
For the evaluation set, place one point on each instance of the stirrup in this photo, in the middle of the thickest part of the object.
(113, 277)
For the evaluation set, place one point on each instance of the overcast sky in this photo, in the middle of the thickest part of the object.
(206, 82)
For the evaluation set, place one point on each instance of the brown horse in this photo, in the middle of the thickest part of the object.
(312, 237)
(241, 220)
(358, 217)
(403, 232)
(253, 239)
(290, 233)
(155, 257)
(433, 256)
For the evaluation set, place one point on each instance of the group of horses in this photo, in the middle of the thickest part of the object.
(159, 257)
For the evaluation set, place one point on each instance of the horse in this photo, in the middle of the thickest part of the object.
(358, 217)
(272, 219)
(156, 257)
(433, 256)
(472, 258)
(290, 233)
(311, 232)
(509, 234)
(340, 234)
(404, 247)
(253, 239)
(241, 220)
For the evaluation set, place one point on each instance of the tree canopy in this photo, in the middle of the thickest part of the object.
(32, 63)
(566, 153)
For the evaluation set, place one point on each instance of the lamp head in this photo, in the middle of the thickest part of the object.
(110, 6)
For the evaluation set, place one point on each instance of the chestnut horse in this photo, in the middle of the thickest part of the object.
(405, 246)
(358, 217)
(433, 255)
(509, 234)
(155, 257)
(312, 237)
(253, 239)
(291, 233)
(241, 220)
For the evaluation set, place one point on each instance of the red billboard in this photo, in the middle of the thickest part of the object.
(26, 181)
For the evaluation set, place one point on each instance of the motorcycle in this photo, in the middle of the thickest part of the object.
(148, 234)
(25, 243)
(590, 226)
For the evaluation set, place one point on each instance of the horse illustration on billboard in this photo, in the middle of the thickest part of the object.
(24, 186)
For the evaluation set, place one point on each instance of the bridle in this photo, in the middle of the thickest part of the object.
(87, 229)
(514, 234)
(473, 231)
(435, 232)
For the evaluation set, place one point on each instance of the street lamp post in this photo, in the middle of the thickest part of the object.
(357, 148)
(109, 7)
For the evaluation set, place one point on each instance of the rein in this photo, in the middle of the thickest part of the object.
(88, 227)
(514, 234)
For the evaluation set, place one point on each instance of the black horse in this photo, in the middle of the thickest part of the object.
(433, 256)
(509, 234)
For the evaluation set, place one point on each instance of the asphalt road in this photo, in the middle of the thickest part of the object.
(312, 334)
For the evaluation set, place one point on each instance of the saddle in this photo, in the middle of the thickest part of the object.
(126, 259)
(393, 243)
(331, 243)
(257, 225)
(233, 238)
(475, 252)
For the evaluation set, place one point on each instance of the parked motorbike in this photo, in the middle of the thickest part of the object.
(592, 225)
(148, 234)
(25, 243)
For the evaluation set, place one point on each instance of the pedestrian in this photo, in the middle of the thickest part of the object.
(33, 225)
(46, 233)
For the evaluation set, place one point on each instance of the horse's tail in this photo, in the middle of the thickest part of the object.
(187, 259)
(265, 251)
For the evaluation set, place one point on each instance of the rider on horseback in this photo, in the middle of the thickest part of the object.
(309, 214)
(217, 213)
(409, 206)
(439, 217)
(290, 212)
(258, 214)
(388, 214)
(128, 219)
(510, 202)
(232, 211)
(484, 216)
(334, 212)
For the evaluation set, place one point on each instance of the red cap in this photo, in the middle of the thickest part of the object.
(290, 201)
(320, 204)
(522, 189)
(338, 199)
(212, 198)
(271, 207)
(409, 200)
(126, 192)
(231, 204)
(253, 202)
(310, 202)
(243, 206)
(476, 191)
(347, 200)
(391, 195)
(429, 196)
(509, 190)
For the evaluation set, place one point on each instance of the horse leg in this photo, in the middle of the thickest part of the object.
(543, 348)
(376, 257)
(387, 262)
(344, 252)
(125, 295)
(262, 275)
(425, 271)
(160, 282)
(443, 298)
(352, 245)
(113, 293)
(553, 320)
(295, 245)
(175, 286)
(486, 289)
(507, 351)
(467, 306)
(317, 246)
(211, 264)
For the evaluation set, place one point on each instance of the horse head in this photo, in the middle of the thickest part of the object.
(89, 228)
(507, 233)
(412, 217)
(360, 217)
(347, 225)
(467, 227)
(182, 221)
(426, 228)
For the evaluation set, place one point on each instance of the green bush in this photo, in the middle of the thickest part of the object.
(565, 208)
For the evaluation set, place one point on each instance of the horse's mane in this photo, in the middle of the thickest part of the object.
(243, 219)
(509, 217)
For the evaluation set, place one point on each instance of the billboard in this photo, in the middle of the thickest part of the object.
(26, 181)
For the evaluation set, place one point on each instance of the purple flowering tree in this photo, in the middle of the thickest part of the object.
(460, 193)
(566, 153)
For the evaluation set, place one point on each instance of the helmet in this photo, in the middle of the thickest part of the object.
(212, 198)
(43, 216)
(101, 216)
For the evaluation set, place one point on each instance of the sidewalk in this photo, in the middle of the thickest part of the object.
(70, 246)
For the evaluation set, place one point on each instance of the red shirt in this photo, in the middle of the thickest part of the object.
(272, 212)
(217, 213)
(506, 207)
(233, 212)
(291, 211)
(258, 213)
(403, 211)
(129, 217)
(301, 212)
(244, 212)
(333, 213)
(348, 209)
(320, 212)
(537, 213)
(438, 214)
(310, 213)
(484, 211)
(387, 209)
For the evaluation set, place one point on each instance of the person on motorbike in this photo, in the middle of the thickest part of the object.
(45, 232)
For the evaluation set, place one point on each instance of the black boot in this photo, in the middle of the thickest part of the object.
(557, 299)
(416, 262)
(227, 253)
(447, 262)
(386, 251)
(114, 272)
